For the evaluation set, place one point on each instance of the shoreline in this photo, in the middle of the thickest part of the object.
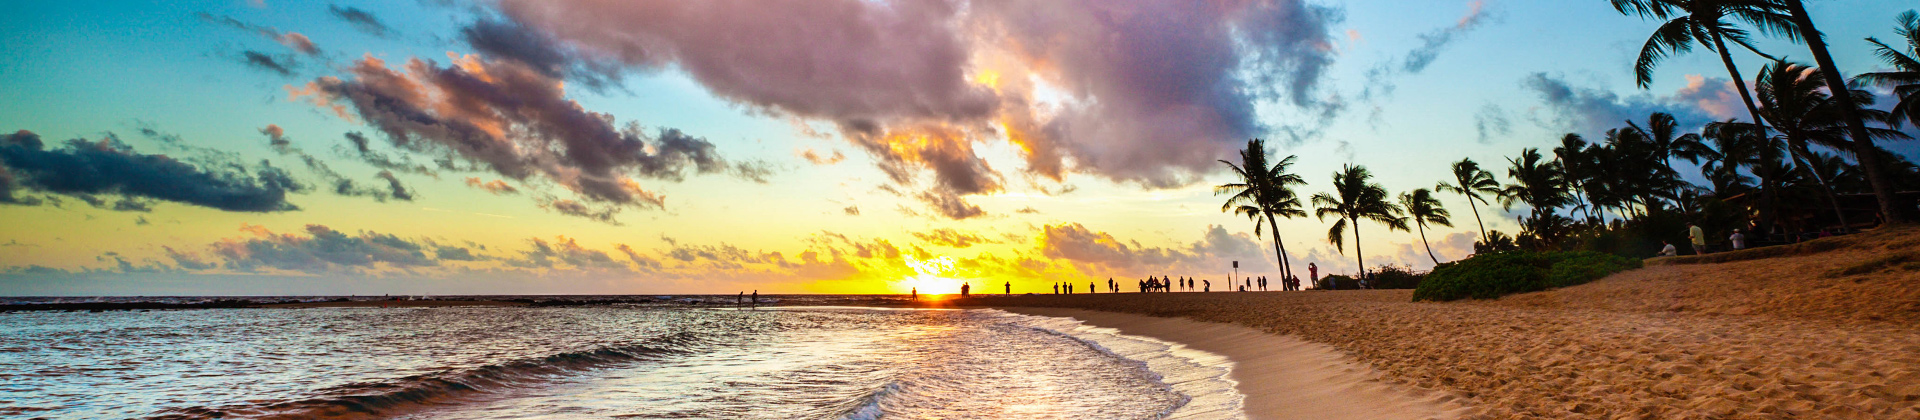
(1281, 377)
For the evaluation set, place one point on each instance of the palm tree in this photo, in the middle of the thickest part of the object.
(1863, 148)
(1537, 182)
(1663, 138)
(1580, 168)
(1703, 22)
(1264, 193)
(1793, 100)
(1471, 181)
(1905, 76)
(1355, 197)
(1424, 209)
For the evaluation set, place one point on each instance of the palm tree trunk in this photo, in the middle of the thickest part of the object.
(1476, 220)
(1286, 267)
(1798, 148)
(1739, 82)
(1357, 256)
(1423, 242)
(1863, 147)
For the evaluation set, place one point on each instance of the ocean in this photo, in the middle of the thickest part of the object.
(602, 361)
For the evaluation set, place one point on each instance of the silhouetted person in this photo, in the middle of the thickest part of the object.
(964, 287)
(916, 293)
(1009, 288)
(1091, 288)
(1206, 286)
(1056, 287)
(1313, 273)
(756, 299)
(739, 301)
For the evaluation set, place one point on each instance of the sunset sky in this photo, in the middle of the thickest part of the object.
(272, 147)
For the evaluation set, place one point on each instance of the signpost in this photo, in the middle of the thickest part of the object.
(1236, 273)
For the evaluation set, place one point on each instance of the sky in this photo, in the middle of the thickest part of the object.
(446, 147)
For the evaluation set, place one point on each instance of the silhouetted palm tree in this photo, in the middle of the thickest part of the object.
(1264, 193)
(1471, 181)
(1793, 100)
(1849, 110)
(1702, 22)
(1662, 134)
(1537, 182)
(1580, 168)
(1424, 209)
(1355, 197)
(1905, 76)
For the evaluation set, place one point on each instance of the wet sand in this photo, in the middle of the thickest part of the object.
(1282, 377)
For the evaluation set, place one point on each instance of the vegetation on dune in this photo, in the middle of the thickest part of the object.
(1499, 274)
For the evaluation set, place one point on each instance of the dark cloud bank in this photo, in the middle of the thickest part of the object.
(84, 169)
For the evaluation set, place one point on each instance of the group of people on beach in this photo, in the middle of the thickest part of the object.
(1698, 239)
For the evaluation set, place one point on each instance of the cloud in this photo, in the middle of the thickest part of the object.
(507, 118)
(918, 84)
(82, 169)
(508, 39)
(339, 184)
(497, 187)
(566, 252)
(852, 210)
(574, 208)
(363, 150)
(1432, 43)
(817, 159)
(361, 19)
(188, 260)
(395, 188)
(283, 66)
(948, 237)
(1491, 121)
(1096, 252)
(1381, 79)
(292, 40)
(319, 249)
(1593, 110)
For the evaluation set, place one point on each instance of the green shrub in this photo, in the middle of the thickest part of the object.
(1489, 276)
(1339, 281)
(1395, 277)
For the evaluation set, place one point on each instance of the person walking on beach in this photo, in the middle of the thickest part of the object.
(1698, 238)
(739, 301)
(1739, 241)
(1206, 286)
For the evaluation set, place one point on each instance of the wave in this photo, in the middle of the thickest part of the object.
(388, 398)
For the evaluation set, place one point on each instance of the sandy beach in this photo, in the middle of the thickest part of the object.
(1782, 337)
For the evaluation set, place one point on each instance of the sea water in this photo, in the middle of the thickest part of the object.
(622, 361)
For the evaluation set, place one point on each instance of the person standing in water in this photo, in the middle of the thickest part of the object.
(756, 298)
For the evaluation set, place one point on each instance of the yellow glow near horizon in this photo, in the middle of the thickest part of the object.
(928, 277)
